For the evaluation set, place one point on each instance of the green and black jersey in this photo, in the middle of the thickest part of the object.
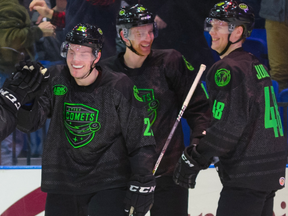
(163, 82)
(97, 135)
(246, 130)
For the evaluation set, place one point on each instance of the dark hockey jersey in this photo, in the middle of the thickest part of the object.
(7, 120)
(246, 130)
(95, 132)
(163, 82)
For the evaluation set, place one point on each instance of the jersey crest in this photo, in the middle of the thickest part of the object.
(222, 77)
(81, 123)
(152, 104)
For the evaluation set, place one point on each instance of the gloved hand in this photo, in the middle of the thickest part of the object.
(140, 195)
(21, 86)
(187, 168)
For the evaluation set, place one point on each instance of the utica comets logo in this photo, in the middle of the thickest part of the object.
(81, 123)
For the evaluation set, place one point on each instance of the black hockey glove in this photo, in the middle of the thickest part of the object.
(22, 86)
(140, 195)
(187, 168)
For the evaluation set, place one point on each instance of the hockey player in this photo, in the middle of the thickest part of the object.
(163, 79)
(97, 142)
(20, 88)
(246, 130)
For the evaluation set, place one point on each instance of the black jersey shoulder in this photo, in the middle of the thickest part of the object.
(122, 84)
(228, 73)
(61, 70)
(164, 56)
(113, 62)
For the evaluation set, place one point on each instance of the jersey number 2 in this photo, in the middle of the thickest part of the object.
(148, 131)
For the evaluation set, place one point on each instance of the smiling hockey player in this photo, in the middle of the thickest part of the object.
(246, 130)
(97, 142)
(163, 79)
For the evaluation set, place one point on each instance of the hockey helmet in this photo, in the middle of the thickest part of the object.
(85, 35)
(235, 14)
(133, 16)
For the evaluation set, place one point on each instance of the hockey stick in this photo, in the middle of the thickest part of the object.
(185, 104)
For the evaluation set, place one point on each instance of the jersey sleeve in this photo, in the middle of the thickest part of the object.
(7, 121)
(181, 75)
(230, 104)
(136, 130)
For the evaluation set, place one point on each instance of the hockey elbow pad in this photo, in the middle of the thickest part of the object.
(140, 195)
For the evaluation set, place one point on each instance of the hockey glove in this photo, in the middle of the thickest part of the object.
(140, 195)
(187, 168)
(22, 86)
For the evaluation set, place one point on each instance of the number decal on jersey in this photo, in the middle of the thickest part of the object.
(217, 110)
(272, 118)
(148, 131)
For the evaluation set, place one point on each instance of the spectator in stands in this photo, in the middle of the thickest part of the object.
(85, 11)
(276, 14)
(17, 38)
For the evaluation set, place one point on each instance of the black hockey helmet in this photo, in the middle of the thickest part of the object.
(86, 35)
(133, 16)
(235, 14)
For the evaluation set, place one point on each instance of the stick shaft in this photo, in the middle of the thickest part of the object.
(185, 104)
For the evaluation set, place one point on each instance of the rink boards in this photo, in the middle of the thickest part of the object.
(20, 193)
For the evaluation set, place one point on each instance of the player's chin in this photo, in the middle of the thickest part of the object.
(76, 74)
(215, 47)
(145, 51)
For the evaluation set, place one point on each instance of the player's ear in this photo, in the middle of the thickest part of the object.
(125, 40)
(97, 58)
(239, 31)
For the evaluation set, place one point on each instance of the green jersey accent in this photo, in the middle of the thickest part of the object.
(222, 77)
(59, 90)
(272, 117)
(261, 72)
(188, 65)
(81, 123)
(217, 110)
(147, 96)
(148, 131)
(136, 94)
(204, 89)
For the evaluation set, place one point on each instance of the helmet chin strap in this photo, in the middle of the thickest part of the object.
(132, 49)
(90, 71)
(228, 45)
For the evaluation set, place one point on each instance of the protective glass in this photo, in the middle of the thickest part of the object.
(79, 53)
(141, 32)
(218, 26)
